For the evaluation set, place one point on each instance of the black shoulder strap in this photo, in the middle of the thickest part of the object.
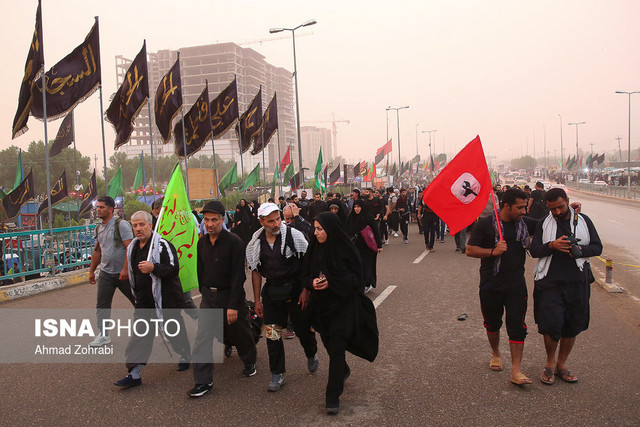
(288, 240)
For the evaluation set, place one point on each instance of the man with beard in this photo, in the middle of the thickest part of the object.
(563, 242)
(221, 278)
(402, 208)
(275, 253)
(502, 283)
(317, 206)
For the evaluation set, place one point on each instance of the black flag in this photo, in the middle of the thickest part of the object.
(89, 195)
(251, 122)
(168, 100)
(269, 126)
(600, 158)
(346, 171)
(295, 181)
(64, 138)
(198, 126)
(130, 98)
(356, 170)
(334, 176)
(18, 197)
(32, 69)
(224, 110)
(59, 191)
(71, 80)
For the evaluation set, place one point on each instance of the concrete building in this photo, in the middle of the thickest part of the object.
(312, 139)
(217, 63)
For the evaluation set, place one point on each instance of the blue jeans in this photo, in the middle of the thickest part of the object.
(441, 230)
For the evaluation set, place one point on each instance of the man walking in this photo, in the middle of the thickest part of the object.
(402, 207)
(221, 278)
(563, 242)
(537, 207)
(112, 239)
(502, 283)
(275, 252)
(155, 285)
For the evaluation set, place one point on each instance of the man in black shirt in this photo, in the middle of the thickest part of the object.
(317, 206)
(562, 279)
(502, 283)
(155, 285)
(275, 252)
(221, 278)
(537, 207)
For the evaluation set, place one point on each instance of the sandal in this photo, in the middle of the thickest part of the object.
(520, 379)
(566, 375)
(547, 376)
(496, 363)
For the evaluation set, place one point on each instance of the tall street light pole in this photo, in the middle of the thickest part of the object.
(629, 153)
(577, 124)
(417, 124)
(295, 76)
(397, 109)
(430, 132)
(561, 148)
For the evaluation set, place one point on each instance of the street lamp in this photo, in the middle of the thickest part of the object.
(576, 125)
(398, 124)
(629, 154)
(561, 148)
(295, 75)
(429, 132)
(417, 152)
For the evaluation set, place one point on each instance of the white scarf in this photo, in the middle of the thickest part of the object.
(156, 243)
(549, 231)
(253, 248)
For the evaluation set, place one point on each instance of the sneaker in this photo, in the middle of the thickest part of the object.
(457, 249)
(333, 410)
(249, 370)
(431, 250)
(277, 380)
(313, 363)
(200, 390)
(395, 234)
(128, 382)
(442, 241)
(386, 242)
(184, 364)
(289, 334)
(367, 289)
(405, 241)
(100, 341)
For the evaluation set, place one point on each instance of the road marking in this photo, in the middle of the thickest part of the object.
(615, 222)
(383, 296)
(421, 257)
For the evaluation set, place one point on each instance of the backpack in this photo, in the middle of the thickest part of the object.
(539, 208)
(117, 238)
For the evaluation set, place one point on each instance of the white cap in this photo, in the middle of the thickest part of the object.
(266, 208)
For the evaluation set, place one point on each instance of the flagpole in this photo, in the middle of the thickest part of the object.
(279, 160)
(144, 181)
(75, 160)
(46, 154)
(21, 176)
(213, 147)
(184, 137)
(153, 171)
(495, 210)
(235, 78)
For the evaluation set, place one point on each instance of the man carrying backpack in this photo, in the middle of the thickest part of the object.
(537, 207)
(112, 239)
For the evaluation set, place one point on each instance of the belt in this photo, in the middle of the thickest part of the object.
(216, 290)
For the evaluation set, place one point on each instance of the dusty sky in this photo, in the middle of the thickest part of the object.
(500, 69)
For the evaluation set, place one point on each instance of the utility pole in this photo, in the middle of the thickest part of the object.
(95, 161)
(619, 150)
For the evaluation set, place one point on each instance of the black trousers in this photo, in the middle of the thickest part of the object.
(277, 313)
(384, 230)
(336, 346)
(404, 224)
(430, 230)
(239, 333)
(511, 299)
(139, 348)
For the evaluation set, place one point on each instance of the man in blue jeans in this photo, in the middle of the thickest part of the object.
(110, 252)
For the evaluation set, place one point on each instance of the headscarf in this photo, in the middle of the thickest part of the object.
(337, 257)
(357, 222)
(341, 214)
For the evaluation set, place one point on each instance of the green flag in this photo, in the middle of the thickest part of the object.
(276, 175)
(229, 178)
(177, 225)
(139, 179)
(288, 174)
(19, 177)
(115, 185)
(252, 178)
(319, 183)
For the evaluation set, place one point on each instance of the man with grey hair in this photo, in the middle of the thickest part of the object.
(275, 252)
(155, 284)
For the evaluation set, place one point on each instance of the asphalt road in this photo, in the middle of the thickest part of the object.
(432, 369)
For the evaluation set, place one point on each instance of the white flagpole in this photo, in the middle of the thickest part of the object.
(235, 78)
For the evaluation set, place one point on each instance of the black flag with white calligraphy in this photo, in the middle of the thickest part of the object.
(64, 137)
(198, 126)
(269, 126)
(59, 191)
(224, 110)
(24, 192)
(168, 100)
(89, 195)
(130, 98)
(251, 122)
(70, 81)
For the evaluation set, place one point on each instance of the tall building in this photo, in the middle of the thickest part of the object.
(217, 63)
(312, 139)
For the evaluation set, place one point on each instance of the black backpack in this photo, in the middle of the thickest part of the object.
(539, 208)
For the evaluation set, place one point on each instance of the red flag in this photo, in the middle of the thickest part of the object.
(285, 160)
(460, 192)
(385, 149)
(580, 160)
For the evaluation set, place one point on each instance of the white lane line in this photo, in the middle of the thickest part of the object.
(421, 257)
(615, 222)
(383, 296)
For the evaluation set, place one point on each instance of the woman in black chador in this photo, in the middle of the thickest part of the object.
(338, 309)
(242, 221)
(357, 222)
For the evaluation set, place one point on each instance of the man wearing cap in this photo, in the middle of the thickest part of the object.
(221, 279)
(275, 253)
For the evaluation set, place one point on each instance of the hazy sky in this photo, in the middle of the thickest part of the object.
(500, 69)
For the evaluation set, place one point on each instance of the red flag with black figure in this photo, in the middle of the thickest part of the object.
(460, 192)
(285, 160)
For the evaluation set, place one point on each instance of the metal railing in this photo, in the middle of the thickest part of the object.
(607, 190)
(32, 254)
